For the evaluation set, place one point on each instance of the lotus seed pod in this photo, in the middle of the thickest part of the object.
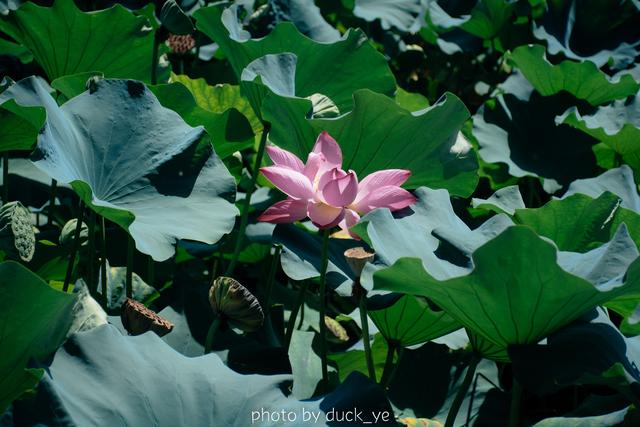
(339, 333)
(138, 319)
(69, 230)
(357, 258)
(17, 237)
(236, 304)
(180, 44)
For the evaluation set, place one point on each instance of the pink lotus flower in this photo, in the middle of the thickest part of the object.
(324, 192)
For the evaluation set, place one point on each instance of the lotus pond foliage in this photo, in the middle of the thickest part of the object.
(299, 212)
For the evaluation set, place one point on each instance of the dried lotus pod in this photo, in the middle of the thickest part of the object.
(338, 332)
(357, 258)
(180, 45)
(138, 319)
(232, 301)
(17, 237)
(69, 230)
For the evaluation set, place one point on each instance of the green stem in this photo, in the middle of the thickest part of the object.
(244, 216)
(462, 391)
(151, 271)
(103, 264)
(385, 380)
(364, 320)
(294, 314)
(323, 296)
(5, 177)
(129, 278)
(211, 334)
(516, 398)
(52, 200)
(74, 248)
(92, 251)
(271, 278)
(154, 57)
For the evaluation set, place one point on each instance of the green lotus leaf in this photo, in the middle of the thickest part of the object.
(618, 181)
(354, 360)
(305, 15)
(64, 40)
(516, 294)
(581, 79)
(116, 293)
(140, 165)
(332, 69)
(174, 19)
(410, 321)
(518, 129)
(229, 129)
(591, 30)
(74, 84)
(379, 134)
(19, 124)
(506, 199)
(579, 223)
(617, 125)
(406, 16)
(484, 18)
(35, 319)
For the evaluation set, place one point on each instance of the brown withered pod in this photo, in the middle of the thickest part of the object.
(138, 319)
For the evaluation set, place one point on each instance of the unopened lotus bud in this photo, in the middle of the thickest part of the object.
(138, 319)
(17, 237)
(180, 44)
(69, 230)
(357, 258)
(232, 301)
(338, 332)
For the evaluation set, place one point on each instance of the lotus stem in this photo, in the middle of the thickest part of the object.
(5, 177)
(462, 391)
(385, 380)
(271, 278)
(154, 57)
(244, 216)
(151, 276)
(516, 398)
(211, 334)
(294, 314)
(92, 249)
(74, 248)
(52, 201)
(364, 320)
(129, 278)
(103, 264)
(324, 255)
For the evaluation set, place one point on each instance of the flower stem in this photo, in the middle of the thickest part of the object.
(516, 398)
(129, 278)
(271, 278)
(52, 201)
(151, 271)
(385, 380)
(74, 248)
(323, 296)
(154, 57)
(5, 177)
(244, 216)
(211, 334)
(462, 391)
(92, 249)
(294, 314)
(103, 264)
(364, 320)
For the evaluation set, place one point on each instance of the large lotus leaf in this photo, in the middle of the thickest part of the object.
(617, 125)
(411, 321)
(102, 376)
(64, 40)
(601, 32)
(517, 292)
(354, 359)
(518, 129)
(506, 199)
(137, 163)
(301, 260)
(305, 15)
(618, 181)
(219, 98)
(19, 125)
(585, 352)
(483, 18)
(581, 79)
(35, 319)
(417, 232)
(405, 15)
(230, 131)
(332, 69)
(379, 134)
(579, 223)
